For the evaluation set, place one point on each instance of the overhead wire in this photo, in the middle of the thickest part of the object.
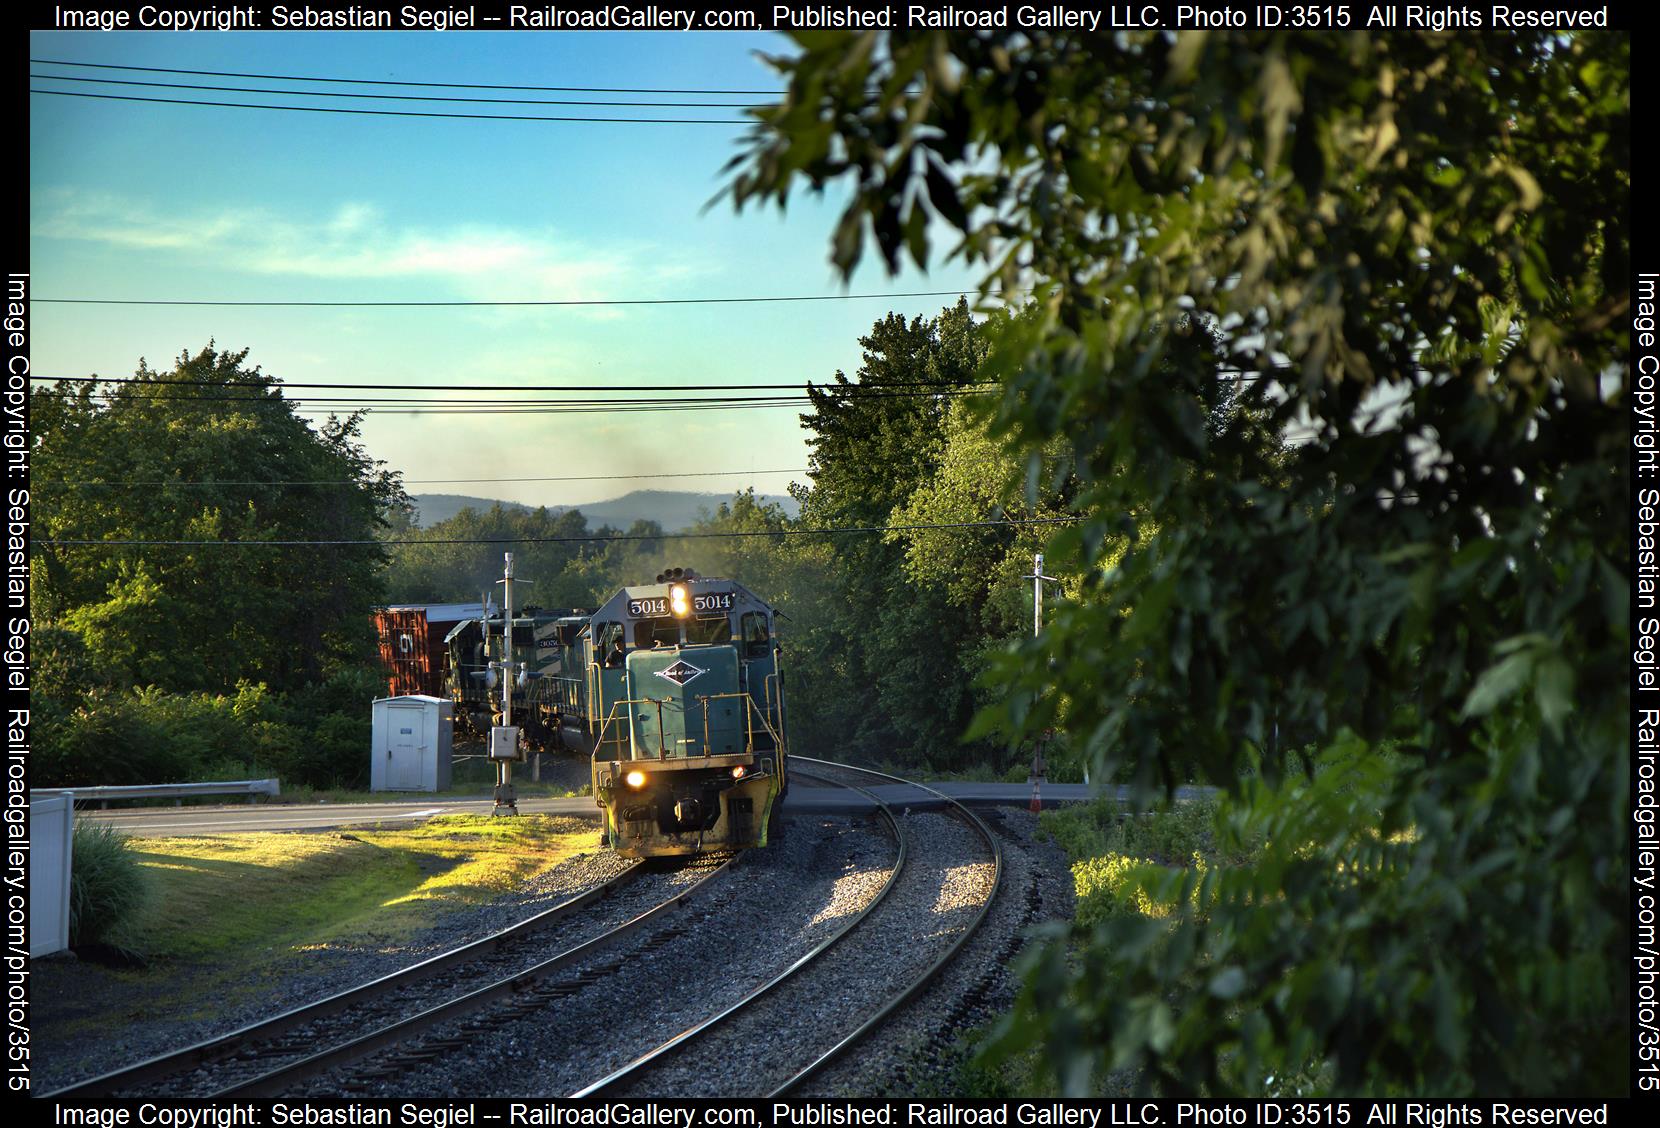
(555, 302)
(387, 113)
(413, 405)
(417, 401)
(417, 481)
(494, 387)
(397, 82)
(208, 393)
(399, 97)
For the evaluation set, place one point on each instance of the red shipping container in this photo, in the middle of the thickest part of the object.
(413, 658)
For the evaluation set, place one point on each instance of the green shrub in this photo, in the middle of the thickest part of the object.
(339, 750)
(1117, 884)
(316, 736)
(106, 885)
(112, 738)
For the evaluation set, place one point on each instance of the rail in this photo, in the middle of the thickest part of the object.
(975, 823)
(518, 986)
(679, 1042)
(228, 1046)
(175, 791)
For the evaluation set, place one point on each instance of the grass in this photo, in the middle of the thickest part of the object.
(245, 894)
(229, 917)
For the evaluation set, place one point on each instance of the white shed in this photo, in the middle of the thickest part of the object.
(411, 750)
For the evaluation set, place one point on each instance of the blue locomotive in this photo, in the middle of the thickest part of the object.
(673, 692)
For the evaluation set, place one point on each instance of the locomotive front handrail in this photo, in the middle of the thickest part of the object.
(599, 740)
(749, 729)
(662, 735)
(775, 703)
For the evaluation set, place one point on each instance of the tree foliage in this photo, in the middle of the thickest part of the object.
(554, 558)
(894, 657)
(209, 450)
(870, 450)
(1415, 248)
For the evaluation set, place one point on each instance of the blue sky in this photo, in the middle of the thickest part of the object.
(133, 200)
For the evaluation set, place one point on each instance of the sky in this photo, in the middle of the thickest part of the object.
(135, 200)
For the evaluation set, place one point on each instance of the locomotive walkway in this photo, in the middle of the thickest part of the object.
(240, 818)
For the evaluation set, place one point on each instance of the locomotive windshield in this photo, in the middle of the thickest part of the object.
(666, 631)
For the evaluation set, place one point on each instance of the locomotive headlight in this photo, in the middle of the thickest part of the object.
(635, 779)
(738, 771)
(679, 602)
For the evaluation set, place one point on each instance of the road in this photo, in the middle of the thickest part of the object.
(242, 818)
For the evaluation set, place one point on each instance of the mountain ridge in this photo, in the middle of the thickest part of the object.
(674, 510)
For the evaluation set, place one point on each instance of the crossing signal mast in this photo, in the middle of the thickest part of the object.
(504, 738)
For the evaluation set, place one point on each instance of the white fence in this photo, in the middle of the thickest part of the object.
(51, 830)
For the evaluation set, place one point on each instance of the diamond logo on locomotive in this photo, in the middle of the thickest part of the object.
(681, 672)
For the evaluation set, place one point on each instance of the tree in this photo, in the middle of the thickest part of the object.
(886, 665)
(873, 442)
(1416, 250)
(208, 451)
(448, 561)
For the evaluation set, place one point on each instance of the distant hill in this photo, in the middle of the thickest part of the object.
(434, 508)
(672, 509)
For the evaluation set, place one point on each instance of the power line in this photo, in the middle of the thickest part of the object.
(404, 405)
(506, 387)
(472, 403)
(176, 397)
(554, 302)
(395, 82)
(418, 481)
(385, 113)
(401, 97)
(570, 540)
(570, 410)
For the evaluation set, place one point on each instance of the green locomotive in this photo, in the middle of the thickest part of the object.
(673, 692)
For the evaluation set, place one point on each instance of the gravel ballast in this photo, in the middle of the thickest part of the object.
(758, 919)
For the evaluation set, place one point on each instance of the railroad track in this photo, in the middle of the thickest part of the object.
(246, 1054)
(326, 1043)
(637, 1070)
(663, 1069)
(725, 946)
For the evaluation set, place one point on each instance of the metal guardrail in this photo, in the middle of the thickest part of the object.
(175, 791)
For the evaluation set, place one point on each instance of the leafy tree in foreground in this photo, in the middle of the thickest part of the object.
(1416, 249)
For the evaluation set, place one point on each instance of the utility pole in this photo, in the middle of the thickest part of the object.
(1040, 766)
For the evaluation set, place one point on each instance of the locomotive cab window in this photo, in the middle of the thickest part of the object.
(754, 634)
(609, 651)
(709, 630)
(666, 632)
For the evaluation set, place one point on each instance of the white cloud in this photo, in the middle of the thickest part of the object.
(466, 262)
